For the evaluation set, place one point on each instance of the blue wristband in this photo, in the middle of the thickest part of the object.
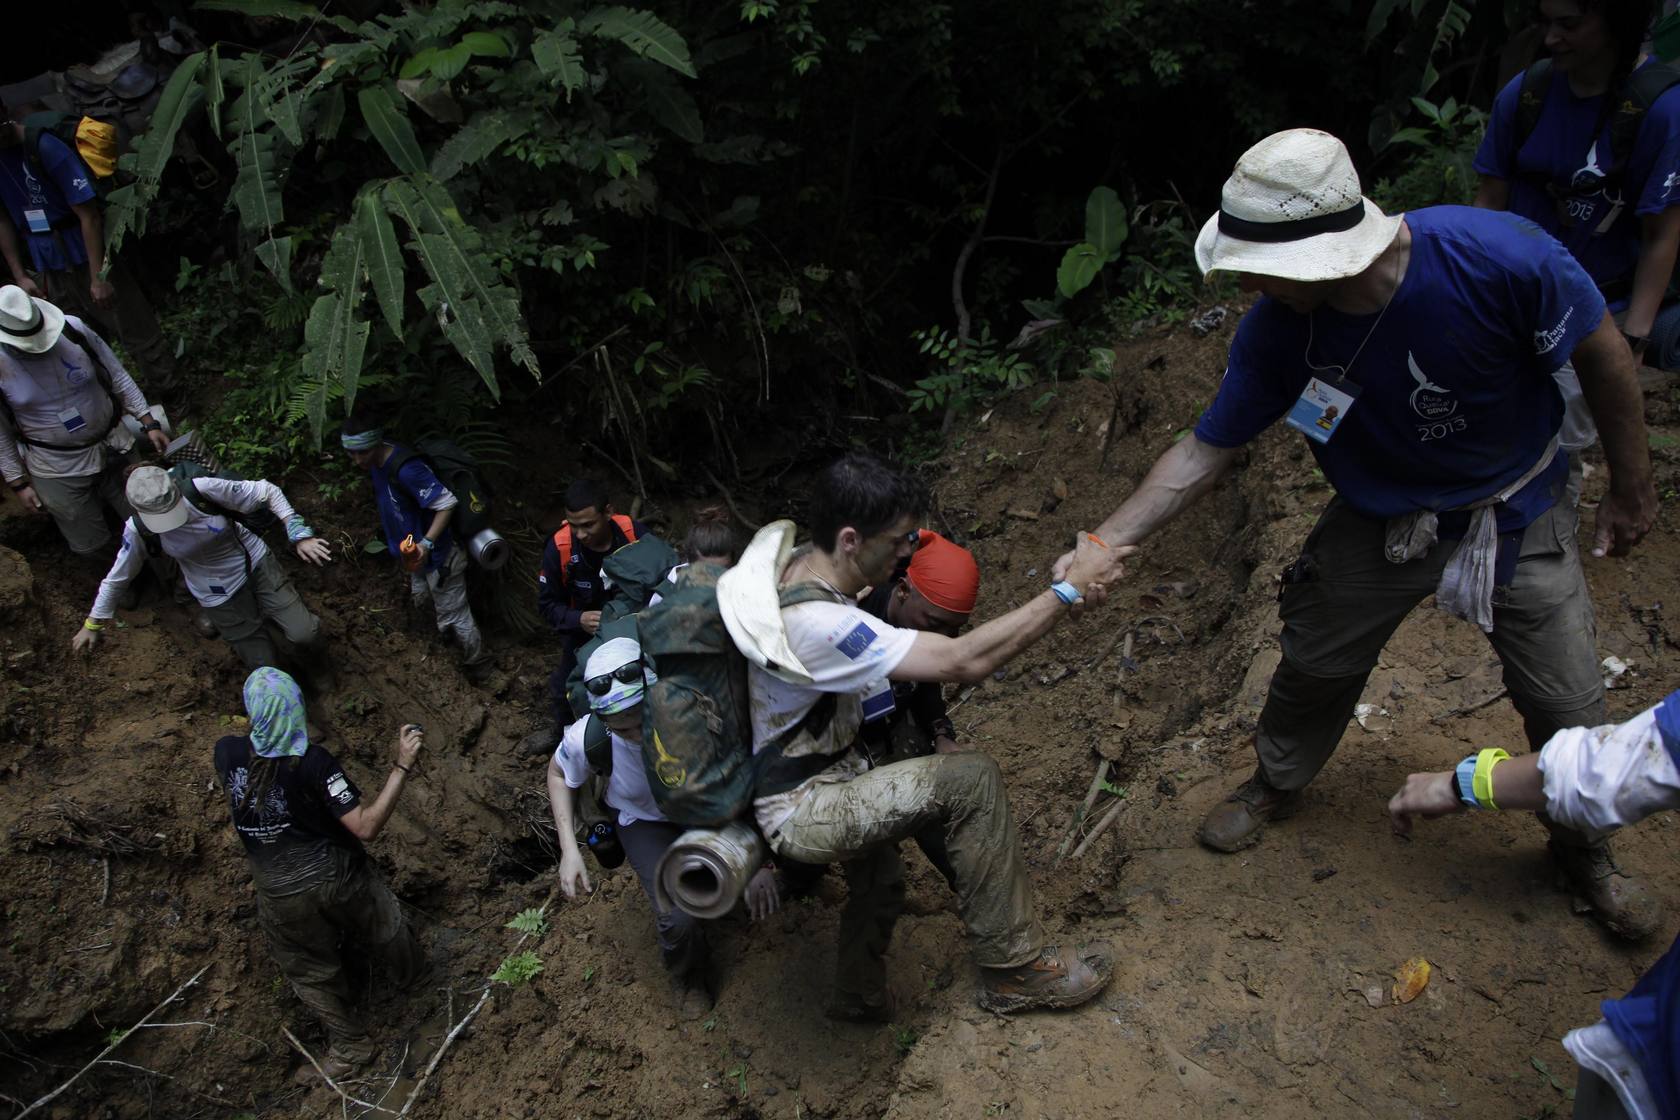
(428, 544)
(1465, 775)
(1065, 591)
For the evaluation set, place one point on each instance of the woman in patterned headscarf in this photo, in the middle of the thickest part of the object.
(302, 821)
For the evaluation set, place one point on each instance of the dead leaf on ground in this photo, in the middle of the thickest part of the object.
(1410, 980)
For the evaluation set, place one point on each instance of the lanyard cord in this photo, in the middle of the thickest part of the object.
(1306, 354)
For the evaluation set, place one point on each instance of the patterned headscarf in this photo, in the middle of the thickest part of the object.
(362, 441)
(275, 705)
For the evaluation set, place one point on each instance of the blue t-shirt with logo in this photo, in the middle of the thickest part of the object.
(408, 500)
(40, 208)
(1456, 396)
(1562, 151)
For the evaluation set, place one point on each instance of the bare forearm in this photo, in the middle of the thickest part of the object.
(93, 237)
(1517, 783)
(1611, 388)
(986, 648)
(1179, 478)
(1657, 246)
(440, 522)
(560, 800)
(374, 818)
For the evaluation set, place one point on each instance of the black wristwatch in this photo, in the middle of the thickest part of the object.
(150, 426)
(1637, 341)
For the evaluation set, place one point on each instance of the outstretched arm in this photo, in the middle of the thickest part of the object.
(1610, 385)
(573, 875)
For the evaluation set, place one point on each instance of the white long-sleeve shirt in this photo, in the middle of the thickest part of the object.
(216, 554)
(1598, 779)
(57, 397)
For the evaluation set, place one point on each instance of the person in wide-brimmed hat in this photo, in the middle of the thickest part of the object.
(63, 394)
(1433, 336)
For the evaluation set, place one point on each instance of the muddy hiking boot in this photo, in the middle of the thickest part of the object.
(337, 1069)
(1616, 898)
(849, 1007)
(1060, 976)
(1238, 821)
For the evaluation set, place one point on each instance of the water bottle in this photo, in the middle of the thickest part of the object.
(604, 844)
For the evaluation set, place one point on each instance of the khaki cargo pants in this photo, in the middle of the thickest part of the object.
(858, 824)
(1336, 623)
(77, 505)
(304, 931)
(267, 595)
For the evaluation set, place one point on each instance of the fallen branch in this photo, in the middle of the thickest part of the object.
(1108, 819)
(173, 996)
(331, 1084)
(1469, 708)
(1120, 636)
(729, 500)
(105, 894)
(1079, 813)
(443, 1048)
(169, 1077)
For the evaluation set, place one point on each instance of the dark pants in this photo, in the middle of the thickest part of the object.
(130, 320)
(1595, 1099)
(304, 931)
(682, 939)
(559, 707)
(1335, 626)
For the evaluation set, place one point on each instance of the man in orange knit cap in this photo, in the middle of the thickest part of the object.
(907, 719)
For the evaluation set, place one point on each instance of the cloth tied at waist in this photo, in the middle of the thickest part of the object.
(1467, 582)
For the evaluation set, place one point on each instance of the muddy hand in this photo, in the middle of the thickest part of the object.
(84, 640)
(1424, 795)
(763, 899)
(1096, 566)
(1624, 519)
(409, 742)
(573, 877)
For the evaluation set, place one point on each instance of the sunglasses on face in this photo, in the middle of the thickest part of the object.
(624, 674)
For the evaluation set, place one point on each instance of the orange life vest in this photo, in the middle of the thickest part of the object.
(563, 538)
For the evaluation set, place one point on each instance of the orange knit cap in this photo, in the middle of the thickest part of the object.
(944, 573)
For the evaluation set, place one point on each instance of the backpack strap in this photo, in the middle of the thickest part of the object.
(1643, 88)
(597, 745)
(151, 541)
(563, 545)
(1531, 98)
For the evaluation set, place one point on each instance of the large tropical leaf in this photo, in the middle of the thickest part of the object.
(256, 187)
(276, 256)
(335, 338)
(556, 55)
(382, 256)
(1105, 222)
(476, 310)
(126, 208)
(643, 32)
(214, 94)
(1080, 266)
(667, 102)
(276, 9)
(472, 142)
(389, 125)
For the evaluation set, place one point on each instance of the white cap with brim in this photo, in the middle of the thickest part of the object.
(26, 323)
(615, 653)
(156, 499)
(1292, 208)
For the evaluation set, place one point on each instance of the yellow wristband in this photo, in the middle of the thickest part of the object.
(1481, 783)
(90, 624)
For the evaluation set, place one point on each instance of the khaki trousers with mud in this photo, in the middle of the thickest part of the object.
(1350, 599)
(858, 824)
(445, 587)
(304, 931)
(266, 596)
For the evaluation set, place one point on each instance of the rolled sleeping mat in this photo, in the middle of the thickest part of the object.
(489, 549)
(705, 871)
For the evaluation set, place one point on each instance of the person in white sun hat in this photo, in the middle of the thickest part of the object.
(63, 394)
(1433, 335)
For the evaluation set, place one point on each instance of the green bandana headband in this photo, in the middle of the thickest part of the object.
(362, 441)
(275, 705)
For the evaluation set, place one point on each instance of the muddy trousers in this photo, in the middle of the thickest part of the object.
(858, 824)
(1336, 621)
(445, 587)
(304, 931)
(682, 937)
(266, 596)
(77, 505)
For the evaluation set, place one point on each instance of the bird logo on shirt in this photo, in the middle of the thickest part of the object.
(1429, 400)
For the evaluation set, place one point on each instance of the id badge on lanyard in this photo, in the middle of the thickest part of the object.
(1321, 408)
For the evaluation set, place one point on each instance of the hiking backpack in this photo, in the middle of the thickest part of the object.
(184, 473)
(458, 471)
(697, 738)
(633, 574)
(99, 143)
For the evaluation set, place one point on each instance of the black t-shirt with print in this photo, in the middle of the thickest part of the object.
(290, 831)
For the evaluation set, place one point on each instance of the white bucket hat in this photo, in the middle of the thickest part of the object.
(1292, 208)
(28, 324)
(156, 499)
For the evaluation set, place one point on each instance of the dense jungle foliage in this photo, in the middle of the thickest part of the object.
(731, 234)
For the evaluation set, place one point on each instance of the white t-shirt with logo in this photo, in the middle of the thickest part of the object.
(627, 786)
(846, 650)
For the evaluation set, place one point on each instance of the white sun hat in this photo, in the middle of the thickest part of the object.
(28, 324)
(1292, 208)
(750, 601)
(617, 694)
(156, 499)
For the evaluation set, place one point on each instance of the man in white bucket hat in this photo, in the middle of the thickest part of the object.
(1415, 354)
(63, 394)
